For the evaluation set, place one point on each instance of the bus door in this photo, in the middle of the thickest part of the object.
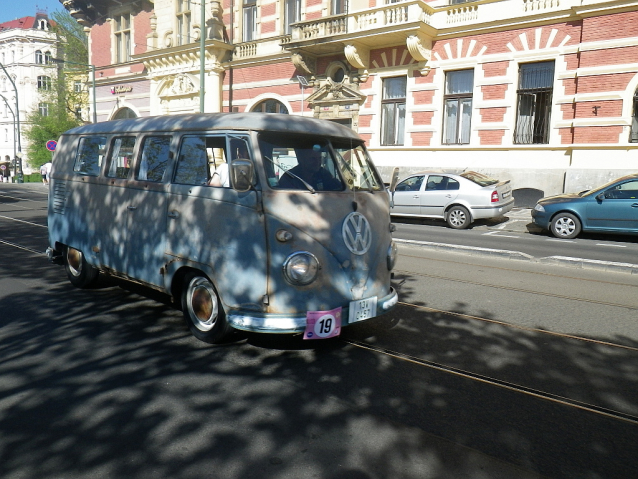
(146, 211)
(219, 228)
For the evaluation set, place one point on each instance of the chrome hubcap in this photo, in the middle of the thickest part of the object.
(565, 226)
(74, 260)
(202, 304)
(457, 217)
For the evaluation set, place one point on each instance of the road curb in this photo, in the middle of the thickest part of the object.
(628, 268)
(582, 263)
(501, 253)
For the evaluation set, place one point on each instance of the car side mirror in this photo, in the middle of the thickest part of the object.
(395, 179)
(242, 172)
(600, 196)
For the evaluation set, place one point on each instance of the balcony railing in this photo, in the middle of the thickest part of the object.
(405, 12)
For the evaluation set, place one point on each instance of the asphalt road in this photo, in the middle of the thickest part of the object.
(488, 368)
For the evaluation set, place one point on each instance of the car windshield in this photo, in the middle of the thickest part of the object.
(479, 178)
(595, 191)
(316, 164)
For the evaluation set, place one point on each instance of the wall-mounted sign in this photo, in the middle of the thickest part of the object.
(121, 89)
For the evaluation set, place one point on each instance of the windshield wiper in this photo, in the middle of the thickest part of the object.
(310, 188)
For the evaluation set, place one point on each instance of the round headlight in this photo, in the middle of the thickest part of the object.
(301, 268)
(392, 255)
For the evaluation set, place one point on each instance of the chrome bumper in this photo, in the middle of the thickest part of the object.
(281, 323)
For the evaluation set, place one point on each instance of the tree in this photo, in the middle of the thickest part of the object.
(59, 105)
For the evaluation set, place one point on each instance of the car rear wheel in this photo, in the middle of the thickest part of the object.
(458, 217)
(565, 225)
(203, 311)
(80, 273)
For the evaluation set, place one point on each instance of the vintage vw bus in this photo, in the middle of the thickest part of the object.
(257, 222)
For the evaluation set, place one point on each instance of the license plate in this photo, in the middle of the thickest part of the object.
(506, 194)
(362, 309)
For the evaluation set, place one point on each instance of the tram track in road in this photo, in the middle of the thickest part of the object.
(493, 381)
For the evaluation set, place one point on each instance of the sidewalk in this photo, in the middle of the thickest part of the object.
(517, 220)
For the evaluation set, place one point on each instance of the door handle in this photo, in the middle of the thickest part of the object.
(416, 196)
(173, 214)
(131, 208)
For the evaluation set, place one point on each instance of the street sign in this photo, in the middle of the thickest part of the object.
(51, 144)
(3, 167)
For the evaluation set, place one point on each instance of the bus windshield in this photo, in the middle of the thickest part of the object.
(313, 163)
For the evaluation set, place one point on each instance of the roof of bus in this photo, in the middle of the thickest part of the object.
(220, 121)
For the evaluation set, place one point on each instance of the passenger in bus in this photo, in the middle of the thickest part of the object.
(310, 170)
(220, 176)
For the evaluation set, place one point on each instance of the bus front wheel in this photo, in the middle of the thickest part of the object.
(203, 311)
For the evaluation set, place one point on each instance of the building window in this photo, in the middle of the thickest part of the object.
(535, 88)
(338, 7)
(270, 106)
(43, 109)
(633, 138)
(292, 14)
(77, 86)
(122, 33)
(458, 107)
(393, 111)
(44, 82)
(183, 22)
(39, 58)
(250, 21)
(47, 58)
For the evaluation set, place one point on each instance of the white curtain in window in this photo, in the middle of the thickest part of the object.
(466, 118)
(451, 120)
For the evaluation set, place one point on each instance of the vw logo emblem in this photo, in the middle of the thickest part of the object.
(356, 233)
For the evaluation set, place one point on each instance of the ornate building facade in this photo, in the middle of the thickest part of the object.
(26, 48)
(542, 92)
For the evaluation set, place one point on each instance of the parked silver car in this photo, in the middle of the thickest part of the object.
(458, 199)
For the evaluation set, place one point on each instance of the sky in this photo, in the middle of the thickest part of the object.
(12, 9)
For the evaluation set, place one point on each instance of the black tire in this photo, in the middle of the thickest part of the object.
(565, 225)
(203, 311)
(458, 218)
(80, 273)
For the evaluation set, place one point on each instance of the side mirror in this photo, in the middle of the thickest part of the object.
(395, 179)
(242, 172)
(600, 196)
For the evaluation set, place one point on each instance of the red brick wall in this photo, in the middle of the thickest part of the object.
(597, 134)
(101, 44)
(610, 108)
(566, 135)
(268, 27)
(598, 83)
(569, 111)
(142, 27)
(423, 97)
(422, 117)
(421, 79)
(572, 61)
(606, 27)
(491, 137)
(268, 9)
(421, 138)
(492, 114)
(495, 69)
(611, 56)
(570, 85)
(365, 121)
(494, 92)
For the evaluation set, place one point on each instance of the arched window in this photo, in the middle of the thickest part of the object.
(124, 113)
(633, 136)
(39, 59)
(47, 58)
(270, 106)
(44, 82)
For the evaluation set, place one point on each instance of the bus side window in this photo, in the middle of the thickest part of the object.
(154, 158)
(90, 154)
(192, 165)
(121, 157)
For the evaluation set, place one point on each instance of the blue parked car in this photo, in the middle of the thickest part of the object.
(611, 208)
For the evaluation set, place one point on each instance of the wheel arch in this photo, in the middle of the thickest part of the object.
(458, 203)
